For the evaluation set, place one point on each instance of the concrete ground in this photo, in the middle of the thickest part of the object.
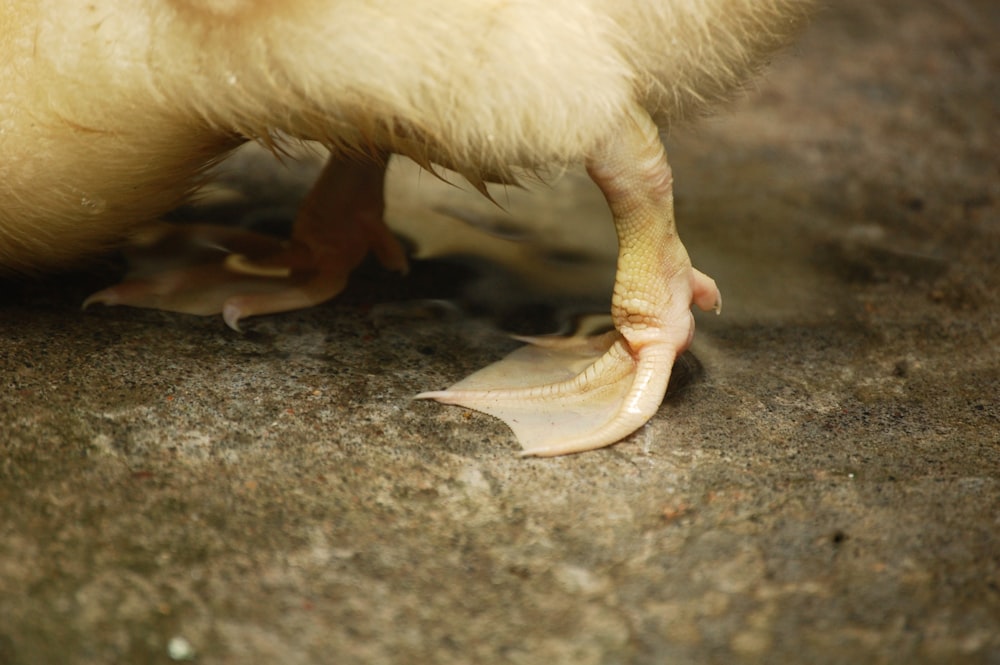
(822, 484)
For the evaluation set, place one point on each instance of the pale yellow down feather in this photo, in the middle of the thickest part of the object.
(110, 110)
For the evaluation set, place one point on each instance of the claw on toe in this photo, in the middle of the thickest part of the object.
(705, 294)
(238, 263)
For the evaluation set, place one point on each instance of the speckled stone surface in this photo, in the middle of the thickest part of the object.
(822, 485)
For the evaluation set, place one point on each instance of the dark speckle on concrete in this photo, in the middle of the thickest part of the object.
(821, 485)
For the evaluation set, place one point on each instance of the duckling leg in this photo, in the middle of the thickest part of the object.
(241, 273)
(620, 378)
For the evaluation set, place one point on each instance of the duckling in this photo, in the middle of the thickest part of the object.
(113, 111)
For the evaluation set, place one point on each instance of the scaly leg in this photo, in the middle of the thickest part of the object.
(621, 378)
(242, 273)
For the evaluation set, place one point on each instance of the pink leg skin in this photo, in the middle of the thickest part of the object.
(620, 379)
(339, 222)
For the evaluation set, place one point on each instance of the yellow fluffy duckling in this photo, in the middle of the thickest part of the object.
(112, 110)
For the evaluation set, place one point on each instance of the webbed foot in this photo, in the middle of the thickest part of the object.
(241, 273)
(579, 394)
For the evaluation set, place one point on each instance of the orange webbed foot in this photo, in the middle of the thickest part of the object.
(203, 269)
(575, 394)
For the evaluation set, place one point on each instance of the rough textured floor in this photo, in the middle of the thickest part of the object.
(821, 486)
